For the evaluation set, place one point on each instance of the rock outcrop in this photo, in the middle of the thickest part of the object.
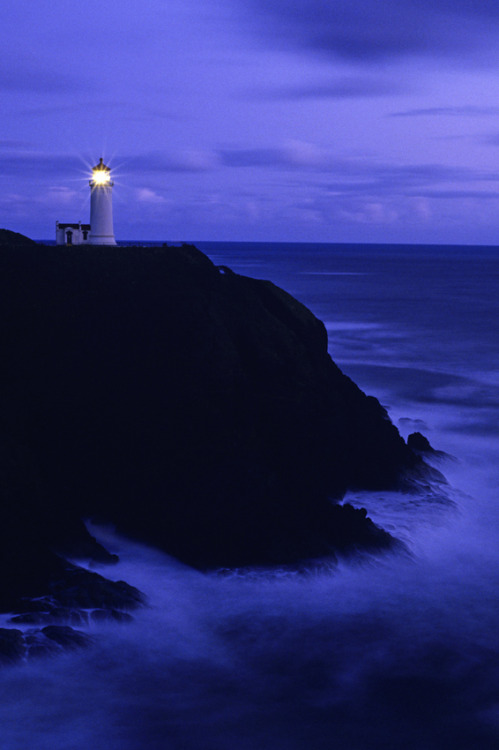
(10, 239)
(17, 646)
(195, 408)
(419, 443)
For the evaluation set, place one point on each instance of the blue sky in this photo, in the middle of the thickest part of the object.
(306, 120)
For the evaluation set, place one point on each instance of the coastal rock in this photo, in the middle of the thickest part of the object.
(52, 616)
(65, 636)
(66, 590)
(418, 442)
(110, 615)
(83, 589)
(194, 408)
(48, 641)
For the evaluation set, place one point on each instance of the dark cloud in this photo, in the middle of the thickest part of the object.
(35, 164)
(486, 9)
(378, 30)
(458, 111)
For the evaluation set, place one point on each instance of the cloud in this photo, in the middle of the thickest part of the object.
(352, 174)
(292, 155)
(404, 176)
(379, 30)
(24, 162)
(145, 195)
(371, 212)
(398, 208)
(466, 110)
(184, 161)
(348, 87)
(429, 181)
(369, 189)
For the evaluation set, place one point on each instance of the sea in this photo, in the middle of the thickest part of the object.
(379, 652)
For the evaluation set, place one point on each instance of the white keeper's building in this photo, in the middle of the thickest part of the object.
(72, 234)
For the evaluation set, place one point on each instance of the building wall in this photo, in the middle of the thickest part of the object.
(101, 214)
(78, 232)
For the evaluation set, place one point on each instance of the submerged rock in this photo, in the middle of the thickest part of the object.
(195, 409)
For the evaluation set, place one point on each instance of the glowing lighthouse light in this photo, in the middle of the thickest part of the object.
(101, 177)
(101, 206)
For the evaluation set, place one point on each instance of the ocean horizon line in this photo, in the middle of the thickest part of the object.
(179, 242)
(318, 247)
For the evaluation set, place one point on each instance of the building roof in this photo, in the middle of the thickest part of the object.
(101, 167)
(62, 225)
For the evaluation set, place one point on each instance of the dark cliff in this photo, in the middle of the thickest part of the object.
(195, 408)
(10, 239)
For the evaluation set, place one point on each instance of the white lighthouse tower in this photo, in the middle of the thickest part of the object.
(101, 206)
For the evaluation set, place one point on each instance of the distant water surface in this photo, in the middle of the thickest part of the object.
(397, 651)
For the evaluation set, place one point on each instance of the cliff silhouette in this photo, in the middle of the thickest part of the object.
(194, 408)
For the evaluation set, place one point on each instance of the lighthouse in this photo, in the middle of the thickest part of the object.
(101, 206)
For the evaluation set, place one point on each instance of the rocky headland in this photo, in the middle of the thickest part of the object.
(196, 409)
